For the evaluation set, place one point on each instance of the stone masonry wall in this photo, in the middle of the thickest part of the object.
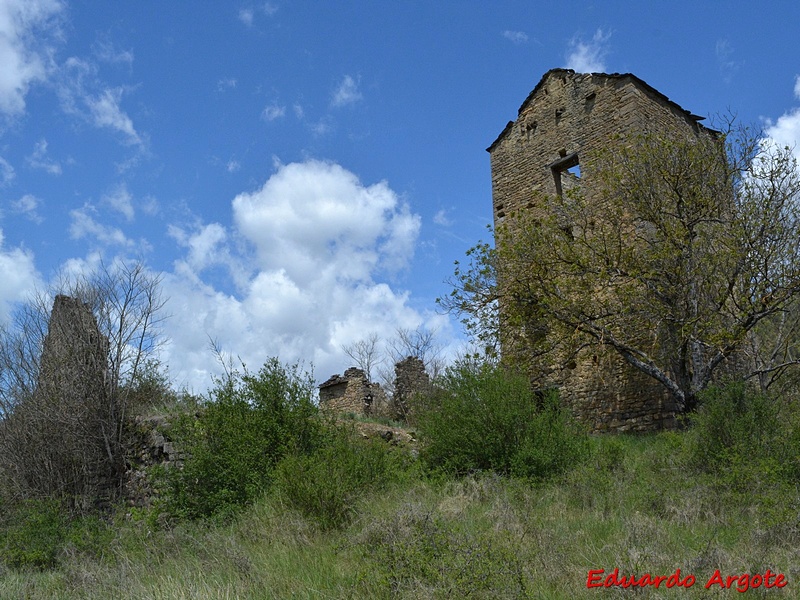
(352, 393)
(567, 121)
(410, 379)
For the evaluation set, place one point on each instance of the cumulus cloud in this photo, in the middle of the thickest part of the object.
(27, 32)
(39, 159)
(588, 57)
(20, 277)
(316, 219)
(785, 131)
(321, 246)
(346, 92)
(517, 37)
(207, 246)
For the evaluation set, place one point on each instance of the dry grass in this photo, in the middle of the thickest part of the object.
(631, 507)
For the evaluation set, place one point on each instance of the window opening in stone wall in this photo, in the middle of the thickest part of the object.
(566, 172)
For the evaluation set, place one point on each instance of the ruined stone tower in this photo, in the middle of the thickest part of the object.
(561, 129)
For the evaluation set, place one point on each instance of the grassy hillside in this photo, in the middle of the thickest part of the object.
(342, 517)
(631, 506)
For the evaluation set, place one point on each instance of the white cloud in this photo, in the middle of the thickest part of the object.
(106, 51)
(20, 277)
(517, 37)
(106, 112)
(120, 200)
(786, 130)
(346, 92)
(150, 206)
(27, 31)
(233, 166)
(588, 57)
(322, 127)
(83, 94)
(28, 205)
(316, 218)
(6, 172)
(225, 84)
(206, 245)
(321, 244)
(727, 66)
(272, 112)
(83, 225)
(440, 218)
(39, 159)
(246, 16)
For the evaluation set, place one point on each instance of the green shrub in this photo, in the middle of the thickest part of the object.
(35, 531)
(744, 437)
(483, 418)
(325, 484)
(232, 445)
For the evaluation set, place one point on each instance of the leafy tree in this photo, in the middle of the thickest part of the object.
(680, 253)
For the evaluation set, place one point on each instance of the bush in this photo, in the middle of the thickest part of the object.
(483, 418)
(249, 423)
(325, 484)
(744, 436)
(35, 531)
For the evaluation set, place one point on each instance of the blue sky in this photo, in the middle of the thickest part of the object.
(304, 174)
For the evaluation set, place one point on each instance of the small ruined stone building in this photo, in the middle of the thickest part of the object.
(352, 393)
(561, 129)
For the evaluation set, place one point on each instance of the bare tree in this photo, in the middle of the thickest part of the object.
(365, 353)
(66, 387)
(420, 343)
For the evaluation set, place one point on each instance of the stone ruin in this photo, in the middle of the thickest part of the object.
(70, 444)
(354, 393)
(562, 128)
(75, 351)
(410, 380)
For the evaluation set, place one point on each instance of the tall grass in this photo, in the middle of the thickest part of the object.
(356, 519)
(633, 505)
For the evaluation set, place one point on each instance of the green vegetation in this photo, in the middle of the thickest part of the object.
(483, 418)
(250, 422)
(519, 504)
